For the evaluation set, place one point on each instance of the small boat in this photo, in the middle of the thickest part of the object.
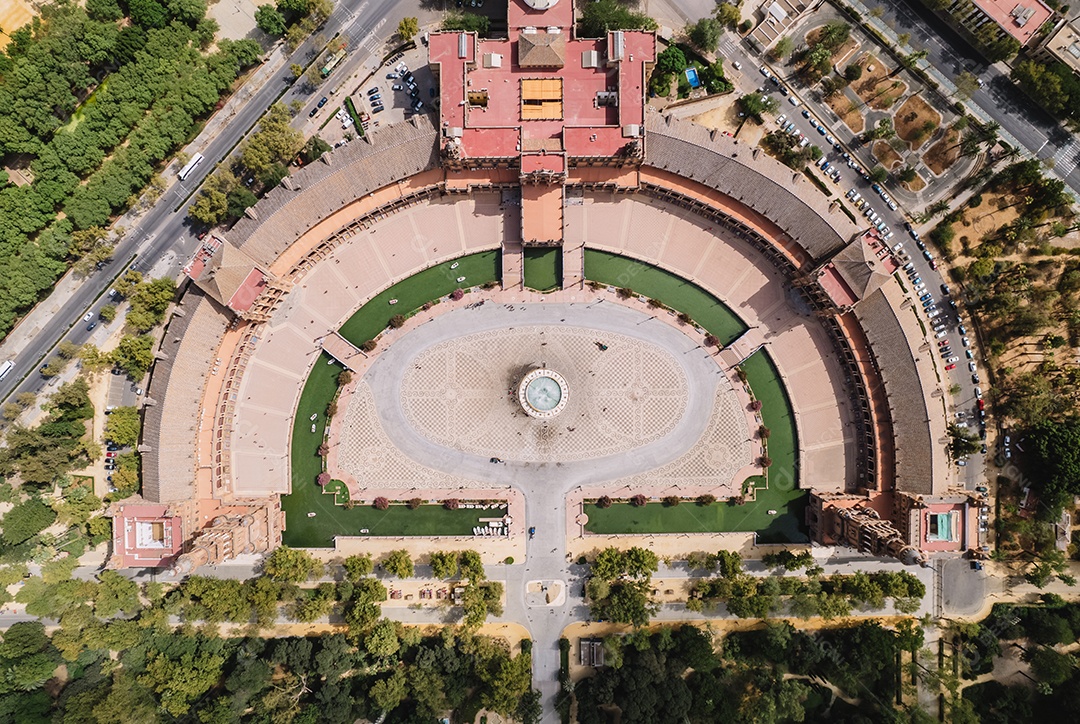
(313, 416)
(461, 279)
(313, 427)
(393, 301)
(454, 265)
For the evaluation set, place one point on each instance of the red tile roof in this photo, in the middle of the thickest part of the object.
(146, 536)
(601, 91)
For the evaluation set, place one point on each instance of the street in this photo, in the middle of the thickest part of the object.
(164, 229)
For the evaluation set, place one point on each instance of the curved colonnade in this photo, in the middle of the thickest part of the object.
(709, 209)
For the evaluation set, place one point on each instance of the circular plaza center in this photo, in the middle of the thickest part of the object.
(543, 393)
(562, 384)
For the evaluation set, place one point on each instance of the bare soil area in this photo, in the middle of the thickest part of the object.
(876, 87)
(944, 153)
(849, 113)
(13, 15)
(916, 184)
(912, 121)
(888, 156)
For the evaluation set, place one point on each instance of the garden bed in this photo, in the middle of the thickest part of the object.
(876, 88)
(887, 155)
(944, 153)
(915, 121)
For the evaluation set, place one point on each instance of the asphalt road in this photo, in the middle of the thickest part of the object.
(165, 230)
(999, 97)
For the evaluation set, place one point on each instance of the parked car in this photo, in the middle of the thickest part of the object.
(322, 102)
(949, 367)
(373, 91)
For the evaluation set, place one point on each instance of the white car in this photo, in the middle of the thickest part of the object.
(965, 341)
(88, 316)
(794, 101)
(971, 366)
(893, 206)
(952, 360)
(941, 334)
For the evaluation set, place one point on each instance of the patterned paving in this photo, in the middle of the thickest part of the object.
(462, 394)
(714, 459)
(367, 454)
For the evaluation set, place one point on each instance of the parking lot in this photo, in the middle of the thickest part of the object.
(401, 87)
(942, 315)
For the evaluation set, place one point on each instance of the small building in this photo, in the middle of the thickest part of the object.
(145, 535)
(591, 652)
(227, 275)
(1061, 46)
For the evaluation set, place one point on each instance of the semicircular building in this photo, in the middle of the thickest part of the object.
(543, 142)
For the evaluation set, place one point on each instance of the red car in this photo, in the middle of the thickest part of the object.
(982, 405)
(933, 263)
(110, 454)
(950, 367)
(943, 343)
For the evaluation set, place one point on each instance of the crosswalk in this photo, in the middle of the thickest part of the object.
(1067, 157)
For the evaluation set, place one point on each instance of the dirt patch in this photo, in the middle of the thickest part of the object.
(995, 211)
(944, 153)
(888, 156)
(916, 184)
(840, 53)
(848, 111)
(876, 87)
(915, 121)
(13, 15)
(726, 119)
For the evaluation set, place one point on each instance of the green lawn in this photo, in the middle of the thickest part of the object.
(368, 322)
(412, 293)
(543, 268)
(720, 517)
(331, 519)
(781, 492)
(672, 290)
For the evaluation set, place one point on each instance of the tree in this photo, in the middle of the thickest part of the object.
(288, 565)
(1050, 666)
(182, 681)
(123, 426)
(756, 104)
(382, 641)
(967, 83)
(444, 564)
(705, 33)
(270, 20)
(26, 520)
(602, 16)
(728, 15)
(783, 48)
(107, 313)
(115, 594)
(398, 563)
(358, 566)
(134, 354)
(670, 61)
(878, 174)
(388, 693)
(962, 442)
(408, 28)
(853, 72)
(275, 142)
(297, 70)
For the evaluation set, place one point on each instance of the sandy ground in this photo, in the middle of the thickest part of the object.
(942, 155)
(13, 15)
(875, 87)
(911, 116)
(888, 156)
(848, 112)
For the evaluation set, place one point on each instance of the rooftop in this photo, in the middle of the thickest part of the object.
(145, 536)
(1019, 18)
(500, 97)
